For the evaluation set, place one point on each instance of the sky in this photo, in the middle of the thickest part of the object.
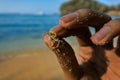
(36, 6)
(109, 2)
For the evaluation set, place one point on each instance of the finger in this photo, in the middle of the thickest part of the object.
(107, 33)
(65, 56)
(106, 45)
(83, 37)
(83, 34)
(69, 23)
(60, 31)
(84, 17)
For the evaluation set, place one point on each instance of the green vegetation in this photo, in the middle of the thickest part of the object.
(73, 5)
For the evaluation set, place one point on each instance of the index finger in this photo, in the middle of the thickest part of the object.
(84, 17)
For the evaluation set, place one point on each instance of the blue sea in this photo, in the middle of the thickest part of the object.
(19, 31)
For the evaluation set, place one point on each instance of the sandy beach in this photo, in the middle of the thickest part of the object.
(32, 64)
(37, 63)
(23, 54)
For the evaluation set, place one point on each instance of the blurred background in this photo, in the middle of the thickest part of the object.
(23, 55)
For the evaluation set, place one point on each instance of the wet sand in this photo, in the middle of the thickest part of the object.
(36, 63)
(32, 64)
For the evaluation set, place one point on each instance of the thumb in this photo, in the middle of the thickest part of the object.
(107, 32)
(65, 56)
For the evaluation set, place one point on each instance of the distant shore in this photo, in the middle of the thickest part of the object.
(114, 13)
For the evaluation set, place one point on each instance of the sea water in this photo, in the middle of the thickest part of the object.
(20, 31)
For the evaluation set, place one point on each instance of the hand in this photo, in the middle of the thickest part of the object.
(98, 59)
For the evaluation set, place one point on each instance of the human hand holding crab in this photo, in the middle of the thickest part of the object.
(99, 60)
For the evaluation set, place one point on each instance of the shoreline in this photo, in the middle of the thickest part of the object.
(35, 63)
(32, 64)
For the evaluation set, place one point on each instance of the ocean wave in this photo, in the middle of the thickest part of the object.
(19, 25)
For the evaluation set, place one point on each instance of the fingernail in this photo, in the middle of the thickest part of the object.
(69, 17)
(102, 33)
